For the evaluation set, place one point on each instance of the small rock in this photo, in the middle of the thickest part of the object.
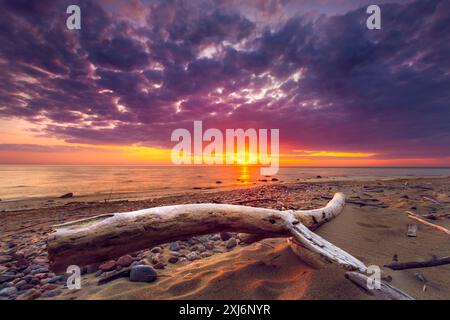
(159, 265)
(215, 237)
(125, 261)
(218, 182)
(7, 292)
(98, 273)
(40, 270)
(318, 177)
(174, 246)
(192, 256)
(67, 195)
(205, 254)
(274, 179)
(209, 245)
(55, 279)
(29, 295)
(201, 248)
(52, 293)
(224, 236)
(142, 273)
(107, 266)
(49, 286)
(5, 258)
(6, 277)
(173, 260)
(231, 243)
(156, 250)
(20, 284)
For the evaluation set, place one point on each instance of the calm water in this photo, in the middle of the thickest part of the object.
(22, 181)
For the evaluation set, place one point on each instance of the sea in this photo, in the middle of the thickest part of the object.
(35, 181)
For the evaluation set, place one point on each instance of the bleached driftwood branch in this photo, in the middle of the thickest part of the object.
(107, 236)
(386, 291)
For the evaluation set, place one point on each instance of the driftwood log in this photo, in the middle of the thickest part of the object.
(418, 264)
(99, 238)
(416, 217)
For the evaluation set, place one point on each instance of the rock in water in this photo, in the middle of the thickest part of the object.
(67, 195)
(143, 273)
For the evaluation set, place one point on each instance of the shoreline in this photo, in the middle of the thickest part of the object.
(30, 203)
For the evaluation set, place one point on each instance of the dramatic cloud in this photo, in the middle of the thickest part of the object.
(137, 70)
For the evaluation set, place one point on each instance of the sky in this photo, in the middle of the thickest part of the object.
(112, 92)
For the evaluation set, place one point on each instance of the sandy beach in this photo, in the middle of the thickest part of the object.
(372, 227)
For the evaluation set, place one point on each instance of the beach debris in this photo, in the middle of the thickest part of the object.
(142, 273)
(113, 275)
(386, 291)
(416, 217)
(66, 196)
(412, 230)
(432, 200)
(418, 264)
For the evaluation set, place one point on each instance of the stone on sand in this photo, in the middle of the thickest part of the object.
(143, 273)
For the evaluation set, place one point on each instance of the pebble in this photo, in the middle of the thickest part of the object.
(49, 286)
(108, 266)
(55, 279)
(125, 261)
(206, 254)
(98, 273)
(224, 236)
(6, 277)
(5, 259)
(174, 246)
(173, 260)
(159, 265)
(39, 270)
(156, 250)
(231, 243)
(52, 293)
(7, 292)
(192, 256)
(142, 273)
(209, 245)
(30, 295)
